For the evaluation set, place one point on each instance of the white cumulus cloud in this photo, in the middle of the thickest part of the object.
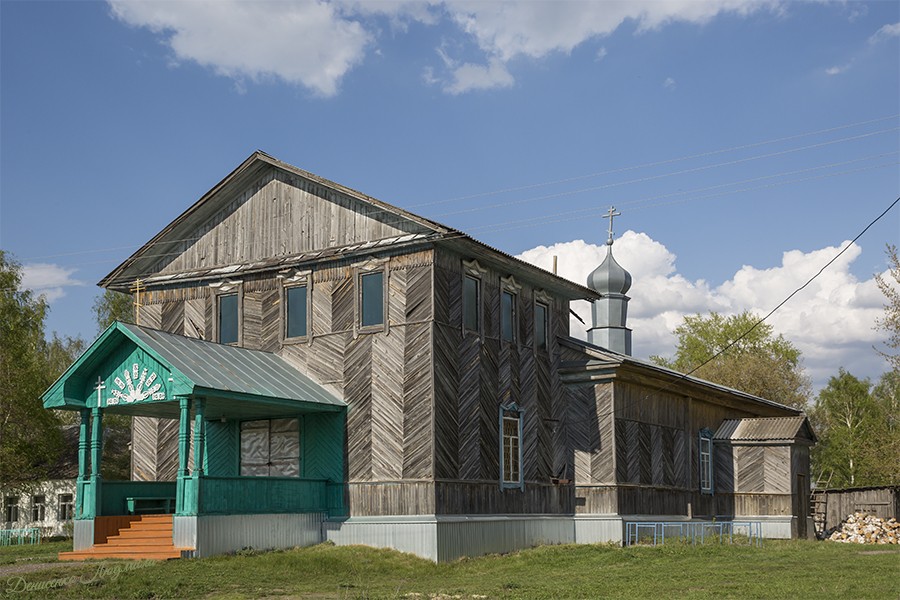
(307, 43)
(316, 43)
(48, 280)
(832, 321)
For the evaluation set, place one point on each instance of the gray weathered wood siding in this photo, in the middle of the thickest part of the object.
(476, 372)
(281, 214)
(385, 376)
(882, 502)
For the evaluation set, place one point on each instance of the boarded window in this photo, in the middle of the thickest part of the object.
(228, 319)
(540, 326)
(66, 507)
(371, 299)
(706, 463)
(37, 508)
(270, 448)
(471, 304)
(296, 311)
(507, 317)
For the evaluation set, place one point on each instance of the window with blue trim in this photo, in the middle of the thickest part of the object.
(706, 461)
(511, 447)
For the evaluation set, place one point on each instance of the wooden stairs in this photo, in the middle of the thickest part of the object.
(148, 537)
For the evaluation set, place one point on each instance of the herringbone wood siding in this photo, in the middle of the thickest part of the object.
(476, 372)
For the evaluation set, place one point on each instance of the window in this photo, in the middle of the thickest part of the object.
(511, 447)
(11, 509)
(295, 299)
(507, 316)
(540, 326)
(371, 299)
(270, 448)
(37, 508)
(471, 303)
(228, 319)
(706, 462)
(66, 507)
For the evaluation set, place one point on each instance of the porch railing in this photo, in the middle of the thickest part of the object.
(255, 495)
(115, 494)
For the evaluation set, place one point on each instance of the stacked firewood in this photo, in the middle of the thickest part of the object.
(860, 528)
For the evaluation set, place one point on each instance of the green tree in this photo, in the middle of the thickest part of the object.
(30, 437)
(890, 322)
(761, 363)
(849, 424)
(886, 447)
(112, 306)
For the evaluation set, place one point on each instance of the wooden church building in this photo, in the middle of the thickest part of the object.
(314, 364)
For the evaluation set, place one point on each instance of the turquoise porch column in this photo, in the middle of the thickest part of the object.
(82, 489)
(199, 444)
(92, 508)
(186, 496)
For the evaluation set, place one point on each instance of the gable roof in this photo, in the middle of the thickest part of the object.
(196, 367)
(771, 429)
(422, 231)
(599, 364)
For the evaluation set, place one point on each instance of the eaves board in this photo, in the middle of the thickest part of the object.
(540, 278)
(663, 379)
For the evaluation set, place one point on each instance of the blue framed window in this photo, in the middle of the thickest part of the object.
(471, 304)
(706, 461)
(371, 299)
(511, 447)
(228, 319)
(540, 326)
(296, 308)
(507, 316)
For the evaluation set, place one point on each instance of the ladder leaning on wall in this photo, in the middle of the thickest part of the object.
(818, 504)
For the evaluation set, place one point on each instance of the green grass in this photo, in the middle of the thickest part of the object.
(28, 553)
(789, 569)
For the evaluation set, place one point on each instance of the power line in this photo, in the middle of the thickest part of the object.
(683, 376)
(654, 164)
(663, 175)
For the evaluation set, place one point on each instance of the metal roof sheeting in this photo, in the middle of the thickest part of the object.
(766, 429)
(233, 369)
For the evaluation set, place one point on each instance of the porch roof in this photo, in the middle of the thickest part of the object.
(242, 382)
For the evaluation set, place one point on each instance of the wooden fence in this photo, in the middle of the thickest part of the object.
(882, 502)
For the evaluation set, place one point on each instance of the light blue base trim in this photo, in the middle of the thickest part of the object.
(82, 534)
(220, 534)
(446, 538)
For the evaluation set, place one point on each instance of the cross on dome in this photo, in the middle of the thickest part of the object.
(609, 215)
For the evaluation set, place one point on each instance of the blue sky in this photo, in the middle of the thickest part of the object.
(743, 141)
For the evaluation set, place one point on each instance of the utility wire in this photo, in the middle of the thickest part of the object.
(654, 164)
(663, 175)
(533, 199)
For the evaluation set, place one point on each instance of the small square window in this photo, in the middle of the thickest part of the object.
(471, 303)
(507, 317)
(296, 299)
(228, 319)
(371, 299)
(540, 326)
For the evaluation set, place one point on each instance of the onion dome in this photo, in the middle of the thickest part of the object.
(609, 277)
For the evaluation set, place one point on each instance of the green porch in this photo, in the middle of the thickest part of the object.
(256, 436)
